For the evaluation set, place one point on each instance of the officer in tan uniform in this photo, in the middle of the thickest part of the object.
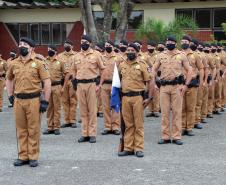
(13, 55)
(3, 69)
(154, 104)
(85, 68)
(69, 97)
(111, 117)
(171, 63)
(135, 76)
(57, 70)
(161, 46)
(190, 97)
(123, 44)
(27, 73)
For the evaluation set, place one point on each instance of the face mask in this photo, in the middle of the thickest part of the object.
(193, 47)
(160, 49)
(23, 51)
(131, 56)
(151, 50)
(213, 50)
(12, 55)
(108, 49)
(206, 51)
(67, 48)
(123, 49)
(51, 53)
(185, 46)
(200, 49)
(116, 50)
(170, 46)
(218, 50)
(84, 46)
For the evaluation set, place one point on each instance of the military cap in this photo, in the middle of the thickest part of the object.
(171, 38)
(152, 43)
(87, 37)
(111, 42)
(138, 41)
(186, 37)
(134, 46)
(53, 47)
(68, 41)
(124, 42)
(29, 41)
(195, 41)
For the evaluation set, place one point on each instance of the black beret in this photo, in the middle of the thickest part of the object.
(117, 46)
(206, 45)
(161, 42)
(124, 42)
(53, 47)
(201, 43)
(152, 43)
(134, 46)
(111, 42)
(186, 37)
(224, 48)
(68, 41)
(214, 45)
(171, 38)
(137, 41)
(219, 44)
(87, 37)
(13, 51)
(29, 41)
(195, 41)
(100, 45)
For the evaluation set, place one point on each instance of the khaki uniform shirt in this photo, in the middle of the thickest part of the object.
(3, 68)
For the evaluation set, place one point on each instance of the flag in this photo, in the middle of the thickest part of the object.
(115, 91)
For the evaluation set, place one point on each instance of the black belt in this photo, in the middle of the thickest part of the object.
(107, 82)
(56, 83)
(28, 95)
(2, 76)
(133, 93)
(85, 81)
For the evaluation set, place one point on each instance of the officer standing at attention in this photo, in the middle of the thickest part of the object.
(135, 76)
(27, 73)
(123, 44)
(85, 68)
(171, 64)
(3, 69)
(69, 97)
(57, 70)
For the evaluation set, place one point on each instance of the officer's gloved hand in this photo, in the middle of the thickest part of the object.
(11, 99)
(43, 106)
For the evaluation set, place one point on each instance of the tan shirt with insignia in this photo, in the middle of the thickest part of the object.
(57, 69)
(86, 65)
(3, 68)
(210, 61)
(134, 75)
(67, 57)
(151, 58)
(27, 75)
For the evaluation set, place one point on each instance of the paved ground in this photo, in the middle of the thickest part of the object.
(200, 161)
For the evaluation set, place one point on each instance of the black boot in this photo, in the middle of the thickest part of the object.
(19, 162)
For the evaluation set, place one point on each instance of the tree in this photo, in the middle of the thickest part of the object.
(224, 27)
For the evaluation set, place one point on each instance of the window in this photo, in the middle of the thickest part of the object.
(219, 35)
(23, 30)
(66, 30)
(34, 31)
(186, 12)
(203, 18)
(45, 33)
(219, 17)
(136, 18)
(14, 29)
(56, 33)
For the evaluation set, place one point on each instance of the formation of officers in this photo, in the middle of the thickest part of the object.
(190, 82)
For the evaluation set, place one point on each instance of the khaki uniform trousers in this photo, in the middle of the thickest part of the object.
(54, 108)
(198, 107)
(69, 100)
(87, 99)
(27, 118)
(133, 115)
(188, 108)
(217, 95)
(154, 105)
(2, 83)
(204, 107)
(99, 103)
(111, 118)
(223, 92)
(170, 98)
(211, 99)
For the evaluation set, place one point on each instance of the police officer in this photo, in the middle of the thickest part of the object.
(27, 73)
(57, 70)
(111, 117)
(69, 97)
(134, 78)
(85, 68)
(161, 46)
(123, 44)
(172, 63)
(3, 69)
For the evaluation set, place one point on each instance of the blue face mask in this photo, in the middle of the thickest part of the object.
(171, 46)
(185, 46)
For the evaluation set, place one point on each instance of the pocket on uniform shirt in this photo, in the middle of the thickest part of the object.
(34, 72)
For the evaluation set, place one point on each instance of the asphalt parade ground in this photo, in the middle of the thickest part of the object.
(64, 161)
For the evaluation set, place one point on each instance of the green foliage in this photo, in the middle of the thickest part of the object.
(42, 1)
(157, 30)
(224, 27)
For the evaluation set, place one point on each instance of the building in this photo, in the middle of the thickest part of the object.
(48, 23)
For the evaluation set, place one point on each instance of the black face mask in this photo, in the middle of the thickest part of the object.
(218, 50)
(12, 55)
(200, 49)
(67, 48)
(184, 46)
(151, 50)
(51, 53)
(170, 46)
(84, 46)
(116, 50)
(160, 49)
(131, 56)
(213, 50)
(206, 51)
(23, 51)
(193, 47)
(123, 49)
(108, 49)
